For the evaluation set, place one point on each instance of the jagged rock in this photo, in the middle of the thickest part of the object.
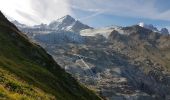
(165, 31)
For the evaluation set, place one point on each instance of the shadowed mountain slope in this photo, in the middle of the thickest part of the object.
(28, 72)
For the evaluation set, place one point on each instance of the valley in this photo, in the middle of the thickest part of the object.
(119, 63)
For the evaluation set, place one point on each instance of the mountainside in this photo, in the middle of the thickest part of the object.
(119, 63)
(59, 37)
(27, 72)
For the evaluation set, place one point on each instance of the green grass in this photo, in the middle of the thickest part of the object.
(12, 87)
(28, 62)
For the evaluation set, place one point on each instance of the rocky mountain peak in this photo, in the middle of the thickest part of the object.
(68, 23)
(164, 31)
(148, 26)
(66, 19)
(42, 25)
(153, 28)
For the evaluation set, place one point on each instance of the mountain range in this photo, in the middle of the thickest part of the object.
(118, 63)
(28, 72)
(66, 23)
(151, 27)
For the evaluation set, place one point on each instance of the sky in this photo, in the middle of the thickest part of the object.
(96, 13)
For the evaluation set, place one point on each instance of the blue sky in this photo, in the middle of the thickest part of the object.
(125, 13)
(96, 13)
(108, 19)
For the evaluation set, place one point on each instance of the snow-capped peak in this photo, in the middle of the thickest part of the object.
(62, 23)
(66, 18)
(68, 23)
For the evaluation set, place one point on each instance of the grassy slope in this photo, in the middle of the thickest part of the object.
(25, 61)
(14, 88)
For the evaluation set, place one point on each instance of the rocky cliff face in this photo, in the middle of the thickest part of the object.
(119, 63)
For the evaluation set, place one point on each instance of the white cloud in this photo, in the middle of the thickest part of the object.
(48, 10)
(34, 11)
(37, 11)
(91, 16)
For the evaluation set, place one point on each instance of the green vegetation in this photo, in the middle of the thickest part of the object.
(27, 72)
(11, 87)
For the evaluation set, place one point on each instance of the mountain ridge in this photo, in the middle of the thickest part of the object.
(120, 63)
(28, 72)
(153, 28)
(65, 23)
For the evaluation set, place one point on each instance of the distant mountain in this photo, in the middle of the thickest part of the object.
(148, 26)
(63, 23)
(41, 26)
(164, 31)
(119, 63)
(19, 24)
(27, 72)
(68, 23)
(153, 28)
(65, 29)
(122, 63)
